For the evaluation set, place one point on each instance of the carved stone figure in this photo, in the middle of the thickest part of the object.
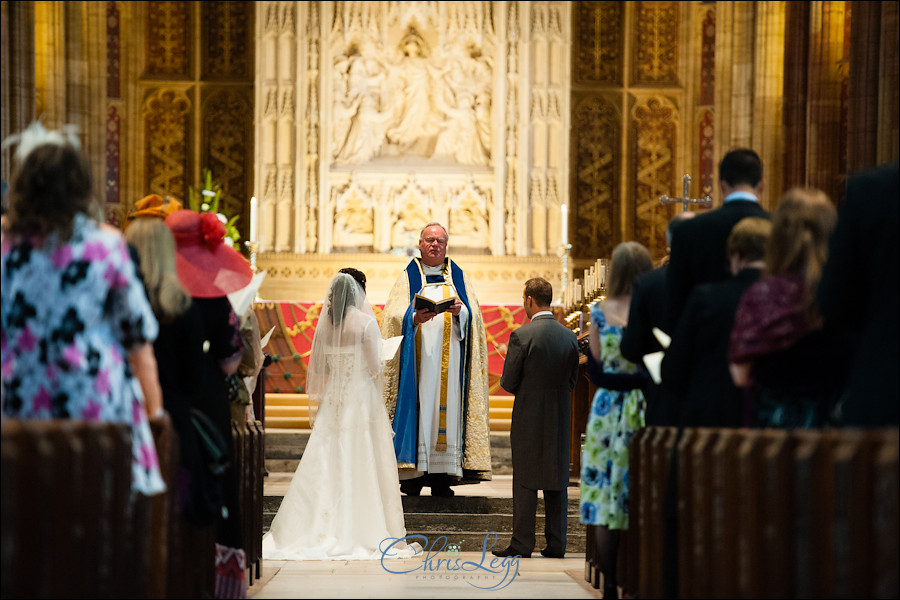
(416, 130)
(363, 111)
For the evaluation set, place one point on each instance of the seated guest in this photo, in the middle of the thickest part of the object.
(695, 365)
(778, 344)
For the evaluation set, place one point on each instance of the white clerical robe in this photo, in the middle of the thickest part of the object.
(437, 381)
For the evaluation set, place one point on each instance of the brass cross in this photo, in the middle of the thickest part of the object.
(686, 196)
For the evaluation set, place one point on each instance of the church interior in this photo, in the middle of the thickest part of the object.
(541, 134)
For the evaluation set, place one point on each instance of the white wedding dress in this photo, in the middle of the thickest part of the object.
(344, 501)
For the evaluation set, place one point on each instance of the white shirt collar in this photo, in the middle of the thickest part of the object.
(741, 196)
(543, 312)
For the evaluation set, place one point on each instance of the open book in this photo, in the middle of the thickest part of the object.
(653, 361)
(390, 346)
(434, 306)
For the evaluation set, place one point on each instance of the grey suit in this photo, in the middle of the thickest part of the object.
(541, 369)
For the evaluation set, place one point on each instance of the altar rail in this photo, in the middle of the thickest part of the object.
(71, 528)
(763, 514)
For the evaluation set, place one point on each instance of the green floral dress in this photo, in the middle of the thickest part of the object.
(615, 417)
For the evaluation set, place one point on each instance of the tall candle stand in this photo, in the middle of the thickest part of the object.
(564, 275)
(252, 247)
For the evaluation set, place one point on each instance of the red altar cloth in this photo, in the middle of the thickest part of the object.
(295, 325)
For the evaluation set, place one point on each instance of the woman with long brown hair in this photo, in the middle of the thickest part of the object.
(778, 346)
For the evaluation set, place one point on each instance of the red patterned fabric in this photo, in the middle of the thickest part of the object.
(295, 325)
(769, 318)
(230, 565)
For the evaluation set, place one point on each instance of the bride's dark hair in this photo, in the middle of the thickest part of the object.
(344, 293)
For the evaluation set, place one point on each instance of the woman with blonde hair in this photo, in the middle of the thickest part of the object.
(778, 345)
(178, 350)
(617, 412)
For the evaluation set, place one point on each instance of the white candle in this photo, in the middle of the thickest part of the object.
(253, 217)
(564, 222)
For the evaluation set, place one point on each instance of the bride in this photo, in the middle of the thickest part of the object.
(344, 500)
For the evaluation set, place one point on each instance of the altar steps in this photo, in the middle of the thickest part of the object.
(476, 511)
(291, 411)
(469, 522)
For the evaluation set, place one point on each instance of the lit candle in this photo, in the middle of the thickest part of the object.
(564, 218)
(253, 217)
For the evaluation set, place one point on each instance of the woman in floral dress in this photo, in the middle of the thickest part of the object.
(617, 412)
(77, 329)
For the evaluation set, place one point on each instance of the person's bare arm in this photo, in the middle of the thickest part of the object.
(143, 364)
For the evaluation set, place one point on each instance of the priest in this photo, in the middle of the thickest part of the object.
(436, 386)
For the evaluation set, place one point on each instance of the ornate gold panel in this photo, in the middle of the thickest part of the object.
(655, 49)
(596, 39)
(168, 40)
(228, 144)
(655, 132)
(166, 119)
(596, 131)
(227, 40)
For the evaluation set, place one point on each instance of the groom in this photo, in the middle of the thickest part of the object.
(541, 369)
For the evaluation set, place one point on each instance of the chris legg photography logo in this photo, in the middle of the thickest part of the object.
(440, 561)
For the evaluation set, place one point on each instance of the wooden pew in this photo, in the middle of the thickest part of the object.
(249, 457)
(68, 529)
(772, 513)
(72, 528)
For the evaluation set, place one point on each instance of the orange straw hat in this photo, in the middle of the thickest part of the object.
(154, 205)
(207, 267)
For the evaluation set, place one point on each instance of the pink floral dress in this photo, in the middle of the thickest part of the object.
(70, 314)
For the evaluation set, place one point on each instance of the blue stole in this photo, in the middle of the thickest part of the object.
(406, 423)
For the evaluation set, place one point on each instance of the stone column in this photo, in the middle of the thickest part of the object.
(796, 59)
(550, 76)
(276, 70)
(17, 79)
(825, 144)
(872, 104)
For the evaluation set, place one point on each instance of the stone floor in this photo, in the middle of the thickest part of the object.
(464, 575)
(435, 573)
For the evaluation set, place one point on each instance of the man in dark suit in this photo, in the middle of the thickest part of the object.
(698, 245)
(541, 369)
(648, 310)
(858, 292)
(695, 366)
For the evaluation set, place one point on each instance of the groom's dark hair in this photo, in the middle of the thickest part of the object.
(539, 289)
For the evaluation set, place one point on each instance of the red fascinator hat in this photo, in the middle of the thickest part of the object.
(207, 267)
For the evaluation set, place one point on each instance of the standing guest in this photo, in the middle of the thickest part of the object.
(778, 345)
(648, 310)
(74, 315)
(698, 245)
(860, 280)
(209, 270)
(616, 414)
(436, 389)
(541, 369)
(695, 365)
(178, 350)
